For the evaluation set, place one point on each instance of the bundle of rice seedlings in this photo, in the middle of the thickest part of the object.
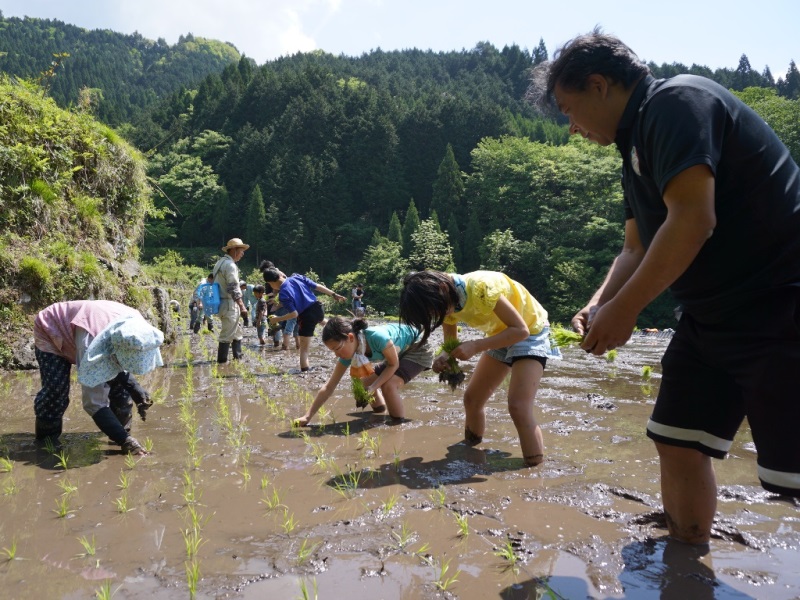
(360, 393)
(452, 375)
(564, 337)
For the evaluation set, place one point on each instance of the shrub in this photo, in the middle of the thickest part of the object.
(35, 275)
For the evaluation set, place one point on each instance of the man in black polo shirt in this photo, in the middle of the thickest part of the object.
(712, 206)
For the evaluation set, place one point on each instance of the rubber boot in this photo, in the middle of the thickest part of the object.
(45, 428)
(222, 352)
(237, 349)
(108, 423)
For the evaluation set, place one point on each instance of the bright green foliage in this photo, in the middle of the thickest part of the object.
(384, 268)
(782, 114)
(395, 229)
(430, 248)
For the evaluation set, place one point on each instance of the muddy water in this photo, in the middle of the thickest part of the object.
(234, 504)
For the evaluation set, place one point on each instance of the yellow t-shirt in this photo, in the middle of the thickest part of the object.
(483, 290)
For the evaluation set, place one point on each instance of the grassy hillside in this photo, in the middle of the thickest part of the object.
(73, 198)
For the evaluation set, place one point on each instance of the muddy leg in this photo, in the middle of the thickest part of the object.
(525, 377)
(488, 375)
(689, 492)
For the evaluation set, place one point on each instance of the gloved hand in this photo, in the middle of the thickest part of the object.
(141, 407)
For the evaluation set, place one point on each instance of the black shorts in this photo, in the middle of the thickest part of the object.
(308, 319)
(715, 375)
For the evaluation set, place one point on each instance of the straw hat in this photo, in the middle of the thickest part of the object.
(235, 243)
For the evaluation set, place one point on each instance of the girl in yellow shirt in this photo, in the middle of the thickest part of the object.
(517, 341)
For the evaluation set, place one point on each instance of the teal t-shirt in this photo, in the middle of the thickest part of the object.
(402, 336)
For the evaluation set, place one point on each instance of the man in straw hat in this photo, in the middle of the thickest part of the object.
(226, 274)
(108, 341)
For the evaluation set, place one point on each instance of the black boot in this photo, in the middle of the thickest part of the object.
(222, 352)
(108, 423)
(237, 349)
(45, 428)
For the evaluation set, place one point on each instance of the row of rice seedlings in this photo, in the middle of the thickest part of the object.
(194, 522)
(68, 489)
(9, 484)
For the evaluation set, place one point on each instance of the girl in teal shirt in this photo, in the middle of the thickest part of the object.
(394, 346)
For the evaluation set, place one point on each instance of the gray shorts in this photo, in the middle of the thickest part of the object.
(412, 362)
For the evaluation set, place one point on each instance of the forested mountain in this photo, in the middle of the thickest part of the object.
(120, 74)
(361, 168)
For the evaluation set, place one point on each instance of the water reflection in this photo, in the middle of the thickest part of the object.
(670, 570)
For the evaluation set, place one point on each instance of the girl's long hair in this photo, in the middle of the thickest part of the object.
(425, 300)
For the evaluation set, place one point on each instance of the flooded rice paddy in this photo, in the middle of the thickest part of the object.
(232, 503)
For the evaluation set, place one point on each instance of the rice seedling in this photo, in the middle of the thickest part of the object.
(62, 506)
(404, 537)
(130, 461)
(105, 592)
(50, 445)
(396, 460)
(305, 595)
(192, 542)
(507, 553)
(11, 552)
(346, 484)
(390, 503)
(362, 397)
(192, 577)
(148, 445)
(63, 459)
(6, 466)
(647, 372)
(272, 502)
(124, 480)
(289, 524)
(245, 473)
(89, 547)
(611, 356)
(264, 482)
(563, 337)
(463, 524)
(438, 496)
(122, 504)
(305, 551)
(10, 487)
(452, 375)
(443, 582)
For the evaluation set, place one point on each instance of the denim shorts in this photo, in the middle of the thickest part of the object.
(536, 346)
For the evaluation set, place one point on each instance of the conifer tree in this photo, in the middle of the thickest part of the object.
(410, 226)
(395, 233)
(454, 235)
(448, 187)
(255, 227)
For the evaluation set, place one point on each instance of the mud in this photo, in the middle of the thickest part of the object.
(233, 503)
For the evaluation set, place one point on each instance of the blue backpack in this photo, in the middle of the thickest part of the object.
(209, 296)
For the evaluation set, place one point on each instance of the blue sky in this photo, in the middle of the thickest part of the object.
(714, 33)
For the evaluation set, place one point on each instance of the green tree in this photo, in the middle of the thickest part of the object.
(430, 248)
(454, 237)
(780, 113)
(256, 224)
(448, 188)
(395, 229)
(410, 226)
(383, 267)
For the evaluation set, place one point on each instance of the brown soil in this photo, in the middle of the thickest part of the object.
(363, 508)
